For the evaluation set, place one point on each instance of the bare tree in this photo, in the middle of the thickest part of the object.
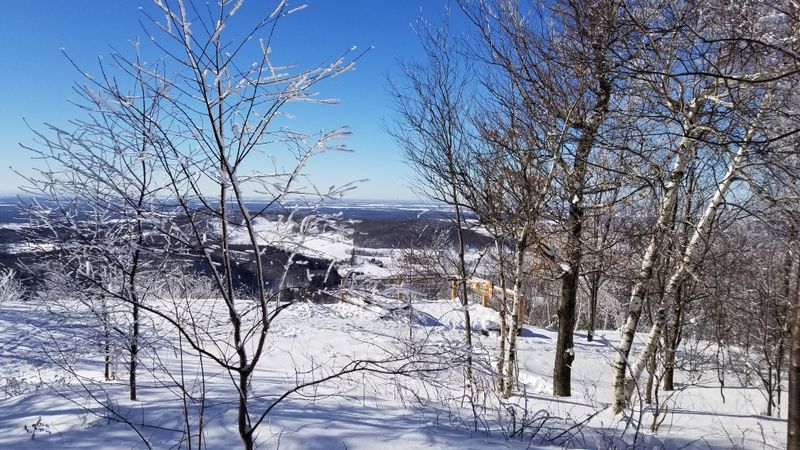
(586, 62)
(522, 145)
(95, 196)
(11, 287)
(188, 135)
(706, 104)
(561, 77)
(432, 104)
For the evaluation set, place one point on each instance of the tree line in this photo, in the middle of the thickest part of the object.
(642, 151)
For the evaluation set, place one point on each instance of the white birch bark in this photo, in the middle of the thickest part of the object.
(501, 359)
(511, 352)
(688, 262)
(685, 153)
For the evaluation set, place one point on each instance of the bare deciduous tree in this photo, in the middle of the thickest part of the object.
(166, 162)
(432, 130)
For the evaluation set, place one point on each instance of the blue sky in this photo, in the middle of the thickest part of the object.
(37, 80)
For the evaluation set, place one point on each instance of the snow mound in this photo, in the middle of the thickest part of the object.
(535, 384)
(451, 314)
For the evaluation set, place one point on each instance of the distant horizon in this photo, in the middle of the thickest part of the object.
(251, 198)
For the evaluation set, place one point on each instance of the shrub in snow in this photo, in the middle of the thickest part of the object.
(10, 286)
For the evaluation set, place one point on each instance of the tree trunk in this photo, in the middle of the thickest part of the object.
(565, 352)
(462, 275)
(686, 265)
(501, 359)
(513, 331)
(646, 273)
(134, 351)
(793, 424)
(594, 290)
(673, 336)
(106, 343)
(671, 342)
(651, 380)
(684, 154)
(770, 391)
(245, 433)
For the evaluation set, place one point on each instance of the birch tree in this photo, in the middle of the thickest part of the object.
(690, 258)
(718, 115)
(692, 102)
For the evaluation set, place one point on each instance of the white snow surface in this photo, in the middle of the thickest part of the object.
(451, 314)
(304, 237)
(364, 411)
(24, 247)
(14, 226)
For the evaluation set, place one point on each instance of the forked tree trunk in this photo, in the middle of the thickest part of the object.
(619, 401)
(665, 215)
(685, 266)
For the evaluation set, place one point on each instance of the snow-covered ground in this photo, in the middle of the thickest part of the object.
(22, 247)
(52, 392)
(42, 407)
(310, 236)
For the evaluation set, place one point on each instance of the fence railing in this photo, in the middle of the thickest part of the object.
(484, 287)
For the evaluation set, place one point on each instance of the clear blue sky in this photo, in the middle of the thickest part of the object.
(37, 80)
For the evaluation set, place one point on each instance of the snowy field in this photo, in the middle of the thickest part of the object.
(43, 406)
(310, 236)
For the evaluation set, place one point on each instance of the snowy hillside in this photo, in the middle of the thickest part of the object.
(408, 224)
(42, 407)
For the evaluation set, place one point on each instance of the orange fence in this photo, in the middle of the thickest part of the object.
(486, 289)
(483, 287)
